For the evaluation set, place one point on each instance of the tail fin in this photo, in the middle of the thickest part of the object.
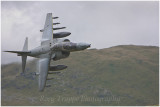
(24, 56)
(19, 53)
(22, 53)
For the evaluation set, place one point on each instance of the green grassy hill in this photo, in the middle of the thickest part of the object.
(120, 75)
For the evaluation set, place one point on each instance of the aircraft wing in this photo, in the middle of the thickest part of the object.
(43, 72)
(44, 61)
(48, 28)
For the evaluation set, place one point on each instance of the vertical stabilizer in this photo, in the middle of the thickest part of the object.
(24, 56)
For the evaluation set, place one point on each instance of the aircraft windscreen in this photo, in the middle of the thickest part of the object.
(70, 46)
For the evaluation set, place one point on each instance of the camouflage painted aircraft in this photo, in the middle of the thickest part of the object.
(51, 48)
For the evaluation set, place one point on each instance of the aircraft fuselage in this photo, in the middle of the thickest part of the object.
(62, 46)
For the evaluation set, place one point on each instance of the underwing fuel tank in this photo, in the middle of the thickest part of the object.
(57, 68)
(61, 34)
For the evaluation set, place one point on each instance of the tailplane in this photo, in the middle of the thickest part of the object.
(23, 54)
(25, 47)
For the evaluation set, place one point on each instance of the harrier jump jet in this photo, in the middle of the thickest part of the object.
(51, 48)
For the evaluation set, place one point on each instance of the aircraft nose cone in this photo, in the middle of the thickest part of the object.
(89, 45)
(83, 45)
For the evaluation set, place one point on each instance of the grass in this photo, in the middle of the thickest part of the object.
(120, 75)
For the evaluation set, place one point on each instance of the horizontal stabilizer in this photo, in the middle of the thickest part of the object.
(25, 47)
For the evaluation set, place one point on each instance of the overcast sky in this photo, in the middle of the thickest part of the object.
(103, 24)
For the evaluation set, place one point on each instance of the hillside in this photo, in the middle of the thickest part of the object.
(120, 75)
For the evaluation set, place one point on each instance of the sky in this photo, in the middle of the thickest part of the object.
(102, 24)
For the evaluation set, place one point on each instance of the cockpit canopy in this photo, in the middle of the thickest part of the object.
(69, 46)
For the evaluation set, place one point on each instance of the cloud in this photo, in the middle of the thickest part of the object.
(103, 24)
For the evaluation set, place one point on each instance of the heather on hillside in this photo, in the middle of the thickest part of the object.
(121, 75)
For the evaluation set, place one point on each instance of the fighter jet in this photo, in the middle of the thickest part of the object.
(51, 48)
